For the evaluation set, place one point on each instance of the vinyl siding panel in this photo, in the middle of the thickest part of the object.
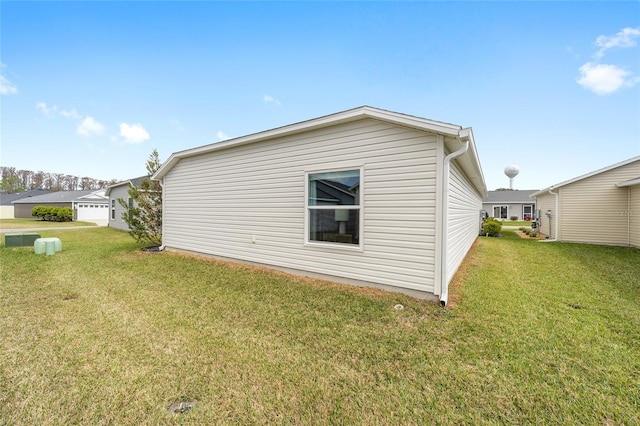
(6, 212)
(545, 202)
(116, 193)
(463, 218)
(592, 209)
(514, 209)
(634, 215)
(217, 203)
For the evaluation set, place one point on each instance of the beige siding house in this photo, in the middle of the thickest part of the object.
(597, 208)
(365, 196)
(633, 216)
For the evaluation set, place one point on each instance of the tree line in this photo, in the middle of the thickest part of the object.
(14, 180)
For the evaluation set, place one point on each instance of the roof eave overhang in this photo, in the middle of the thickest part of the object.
(585, 176)
(632, 182)
(470, 162)
(445, 129)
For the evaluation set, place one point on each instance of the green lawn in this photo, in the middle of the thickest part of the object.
(103, 333)
(37, 223)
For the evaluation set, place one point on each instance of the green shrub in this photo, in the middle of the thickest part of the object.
(53, 214)
(492, 227)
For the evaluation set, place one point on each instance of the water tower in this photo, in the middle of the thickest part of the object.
(511, 172)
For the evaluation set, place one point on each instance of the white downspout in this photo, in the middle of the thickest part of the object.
(557, 215)
(444, 293)
(629, 216)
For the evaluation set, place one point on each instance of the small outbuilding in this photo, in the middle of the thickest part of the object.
(364, 196)
(601, 207)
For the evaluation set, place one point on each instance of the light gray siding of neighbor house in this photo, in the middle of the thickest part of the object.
(120, 191)
(592, 208)
(513, 200)
(115, 209)
(248, 201)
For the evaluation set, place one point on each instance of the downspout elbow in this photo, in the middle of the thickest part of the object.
(464, 141)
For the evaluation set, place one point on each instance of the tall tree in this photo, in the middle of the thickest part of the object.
(11, 184)
(144, 214)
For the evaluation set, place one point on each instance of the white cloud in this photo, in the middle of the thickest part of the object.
(624, 38)
(90, 127)
(72, 113)
(46, 110)
(6, 87)
(604, 79)
(133, 133)
(270, 100)
(221, 136)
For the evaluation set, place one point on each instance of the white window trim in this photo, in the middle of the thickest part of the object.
(360, 207)
(500, 205)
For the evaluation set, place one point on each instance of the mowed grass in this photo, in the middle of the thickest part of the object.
(18, 224)
(103, 333)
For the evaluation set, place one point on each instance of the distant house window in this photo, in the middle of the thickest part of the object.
(334, 207)
(527, 212)
(130, 203)
(500, 212)
(113, 209)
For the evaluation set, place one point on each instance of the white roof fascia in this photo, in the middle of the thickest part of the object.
(469, 161)
(100, 193)
(359, 113)
(630, 182)
(107, 192)
(567, 182)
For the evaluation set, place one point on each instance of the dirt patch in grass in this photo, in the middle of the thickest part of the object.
(527, 237)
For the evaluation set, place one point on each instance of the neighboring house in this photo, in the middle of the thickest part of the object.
(90, 206)
(364, 196)
(6, 201)
(505, 204)
(117, 191)
(602, 207)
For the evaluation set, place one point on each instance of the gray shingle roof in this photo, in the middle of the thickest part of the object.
(8, 199)
(135, 182)
(509, 196)
(63, 197)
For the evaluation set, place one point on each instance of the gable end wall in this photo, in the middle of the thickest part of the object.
(594, 210)
(247, 203)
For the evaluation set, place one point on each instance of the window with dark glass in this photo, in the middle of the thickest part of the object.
(334, 207)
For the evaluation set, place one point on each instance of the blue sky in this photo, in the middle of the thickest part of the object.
(90, 88)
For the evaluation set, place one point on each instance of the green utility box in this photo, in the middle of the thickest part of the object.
(20, 240)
